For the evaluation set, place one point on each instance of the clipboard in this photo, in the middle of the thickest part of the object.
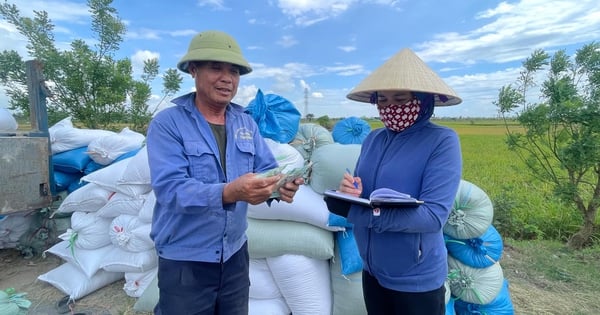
(397, 203)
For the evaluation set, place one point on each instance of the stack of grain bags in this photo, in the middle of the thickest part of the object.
(304, 278)
(108, 238)
(310, 274)
(475, 279)
(292, 246)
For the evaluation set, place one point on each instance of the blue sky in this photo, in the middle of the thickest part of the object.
(326, 47)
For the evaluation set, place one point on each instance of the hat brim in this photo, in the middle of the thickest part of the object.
(209, 54)
(405, 71)
(365, 96)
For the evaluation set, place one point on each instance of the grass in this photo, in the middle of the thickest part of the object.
(547, 278)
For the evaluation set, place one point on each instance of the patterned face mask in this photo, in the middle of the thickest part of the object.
(399, 117)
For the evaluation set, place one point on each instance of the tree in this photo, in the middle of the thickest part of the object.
(560, 139)
(85, 82)
(325, 121)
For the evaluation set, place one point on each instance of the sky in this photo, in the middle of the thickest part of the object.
(313, 52)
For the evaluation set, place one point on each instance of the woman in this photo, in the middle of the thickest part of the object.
(403, 251)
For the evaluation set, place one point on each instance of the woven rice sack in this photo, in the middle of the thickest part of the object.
(7, 121)
(309, 137)
(330, 162)
(474, 285)
(478, 252)
(501, 305)
(351, 130)
(347, 289)
(471, 214)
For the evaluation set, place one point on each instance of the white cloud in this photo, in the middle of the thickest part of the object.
(287, 41)
(72, 12)
(143, 33)
(307, 13)
(515, 30)
(304, 85)
(137, 60)
(347, 48)
(346, 70)
(323, 7)
(245, 94)
(214, 4)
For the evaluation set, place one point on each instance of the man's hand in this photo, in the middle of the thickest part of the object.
(250, 188)
(289, 189)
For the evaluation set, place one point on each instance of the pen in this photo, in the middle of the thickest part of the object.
(353, 181)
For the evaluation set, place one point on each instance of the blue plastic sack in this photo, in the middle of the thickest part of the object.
(63, 180)
(478, 252)
(71, 161)
(346, 242)
(450, 307)
(501, 305)
(277, 118)
(351, 130)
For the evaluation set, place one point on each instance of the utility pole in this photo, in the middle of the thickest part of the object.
(305, 101)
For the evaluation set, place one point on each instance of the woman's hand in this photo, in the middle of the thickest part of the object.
(351, 185)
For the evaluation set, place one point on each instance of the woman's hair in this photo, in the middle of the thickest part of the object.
(427, 104)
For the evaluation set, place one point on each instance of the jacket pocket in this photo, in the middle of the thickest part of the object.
(245, 163)
(203, 164)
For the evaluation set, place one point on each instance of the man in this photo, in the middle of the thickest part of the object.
(204, 156)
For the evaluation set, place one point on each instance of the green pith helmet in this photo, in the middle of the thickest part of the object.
(214, 46)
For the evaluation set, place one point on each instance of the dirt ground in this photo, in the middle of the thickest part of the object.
(21, 274)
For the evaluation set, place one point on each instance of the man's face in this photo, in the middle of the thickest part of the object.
(216, 82)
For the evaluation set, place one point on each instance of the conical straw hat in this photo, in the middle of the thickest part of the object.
(405, 71)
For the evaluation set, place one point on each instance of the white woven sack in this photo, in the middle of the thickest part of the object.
(88, 231)
(64, 137)
(308, 207)
(70, 280)
(275, 306)
(149, 298)
(137, 282)
(120, 203)
(304, 283)
(87, 260)
(109, 178)
(137, 170)
(105, 150)
(147, 211)
(88, 198)
(262, 284)
(129, 233)
(474, 285)
(8, 123)
(471, 214)
(120, 260)
(285, 154)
